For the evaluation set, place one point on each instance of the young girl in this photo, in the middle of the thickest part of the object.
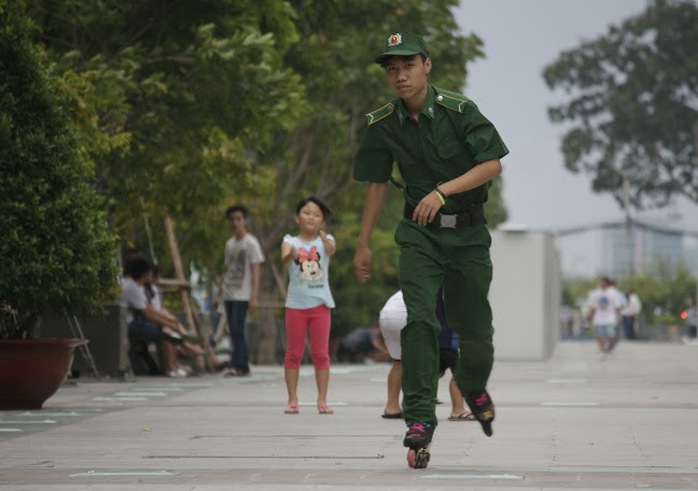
(309, 299)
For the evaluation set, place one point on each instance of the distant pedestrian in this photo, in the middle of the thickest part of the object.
(605, 305)
(623, 302)
(239, 285)
(631, 315)
(309, 299)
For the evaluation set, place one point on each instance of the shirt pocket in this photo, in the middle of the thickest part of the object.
(455, 156)
(450, 148)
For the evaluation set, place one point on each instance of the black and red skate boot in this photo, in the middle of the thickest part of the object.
(482, 407)
(418, 438)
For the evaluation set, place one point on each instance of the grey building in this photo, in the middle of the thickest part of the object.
(615, 250)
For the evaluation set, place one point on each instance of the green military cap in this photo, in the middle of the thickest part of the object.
(403, 44)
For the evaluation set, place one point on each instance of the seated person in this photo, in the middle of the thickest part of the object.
(188, 347)
(144, 322)
(361, 343)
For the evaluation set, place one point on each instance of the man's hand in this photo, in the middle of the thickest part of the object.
(427, 209)
(253, 304)
(362, 264)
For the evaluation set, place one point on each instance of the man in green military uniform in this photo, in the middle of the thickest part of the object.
(447, 153)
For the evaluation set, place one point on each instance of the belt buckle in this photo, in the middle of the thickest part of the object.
(448, 221)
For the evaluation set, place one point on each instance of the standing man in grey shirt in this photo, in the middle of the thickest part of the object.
(239, 285)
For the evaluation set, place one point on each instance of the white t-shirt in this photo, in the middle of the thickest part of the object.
(133, 296)
(634, 306)
(391, 320)
(309, 275)
(156, 301)
(240, 254)
(605, 304)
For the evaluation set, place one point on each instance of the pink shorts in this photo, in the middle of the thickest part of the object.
(301, 322)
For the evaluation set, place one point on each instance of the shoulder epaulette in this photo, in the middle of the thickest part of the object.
(451, 100)
(380, 113)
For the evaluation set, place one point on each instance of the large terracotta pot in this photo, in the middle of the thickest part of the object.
(32, 370)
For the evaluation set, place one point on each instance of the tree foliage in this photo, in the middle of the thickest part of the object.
(632, 105)
(57, 252)
(197, 88)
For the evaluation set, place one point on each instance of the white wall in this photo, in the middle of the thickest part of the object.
(525, 294)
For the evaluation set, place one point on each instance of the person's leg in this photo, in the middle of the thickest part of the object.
(296, 329)
(632, 329)
(458, 410)
(236, 313)
(139, 357)
(319, 322)
(420, 272)
(614, 337)
(169, 357)
(291, 378)
(448, 361)
(600, 340)
(392, 405)
(466, 287)
(600, 334)
(391, 323)
(152, 333)
(467, 281)
(627, 322)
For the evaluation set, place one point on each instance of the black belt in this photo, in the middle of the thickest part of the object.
(473, 216)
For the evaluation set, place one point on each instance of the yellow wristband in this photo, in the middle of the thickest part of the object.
(440, 195)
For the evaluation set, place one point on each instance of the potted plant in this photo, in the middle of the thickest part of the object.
(56, 250)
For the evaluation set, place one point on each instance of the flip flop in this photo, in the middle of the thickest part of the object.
(324, 409)
(392, 415)
(463, 417)
(291, 409)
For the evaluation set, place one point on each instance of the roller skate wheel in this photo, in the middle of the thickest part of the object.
(418, 459)
(411, 458)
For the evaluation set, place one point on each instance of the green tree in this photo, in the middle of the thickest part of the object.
(665, 291)
(198, 89)
(632, 105)
(58, 254)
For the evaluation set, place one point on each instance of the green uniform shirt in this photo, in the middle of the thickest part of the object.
(452, 137)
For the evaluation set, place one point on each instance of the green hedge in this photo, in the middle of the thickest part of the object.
(57, 253)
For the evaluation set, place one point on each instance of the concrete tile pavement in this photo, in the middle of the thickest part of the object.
(572, 422)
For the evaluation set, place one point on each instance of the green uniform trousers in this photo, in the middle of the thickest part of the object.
(461, 259)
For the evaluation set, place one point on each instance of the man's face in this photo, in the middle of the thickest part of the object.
(407, 75)
(237, 222)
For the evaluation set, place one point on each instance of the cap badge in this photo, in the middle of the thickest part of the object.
(395, 39)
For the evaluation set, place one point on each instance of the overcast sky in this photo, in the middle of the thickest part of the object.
(521, 37)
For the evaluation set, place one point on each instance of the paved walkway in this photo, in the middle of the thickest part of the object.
(572, 422)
